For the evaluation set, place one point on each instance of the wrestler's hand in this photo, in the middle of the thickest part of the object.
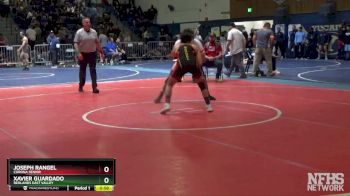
(211, 58)
(80, 57)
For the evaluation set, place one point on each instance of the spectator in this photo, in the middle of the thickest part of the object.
(48, 14)
(162, 35)
(280, 42)
(113, 30)
(38, 33)
(198, 36)
(250, 44)
(31, 34)
(213, 55)
(311, 49)
(299, 41)
(3, 40)
(124, 57)
(245, 33)
(62, 34)
(116, 3)
(324, 40)
(204, 29)
(152, 13)
(291, 41)
(105, 2)
(139, 11)
(111, 50)
(347, 42)
(103, 39)
(4, 9)
(127, 37)
(54, 46)
(341, 42)
(146, 36)
(29, 17)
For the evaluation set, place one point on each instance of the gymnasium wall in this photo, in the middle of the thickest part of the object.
(267, 7)
(187, 10)
(190, 13)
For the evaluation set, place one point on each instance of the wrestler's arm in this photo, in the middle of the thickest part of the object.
(24, 42)
(174, 52)
(200, 55)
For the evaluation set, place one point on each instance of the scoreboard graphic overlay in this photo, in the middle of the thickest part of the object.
(61, 174)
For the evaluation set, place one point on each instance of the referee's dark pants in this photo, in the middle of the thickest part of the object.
(88, 58)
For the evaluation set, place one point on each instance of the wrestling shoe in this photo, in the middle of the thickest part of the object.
(212, 98)
(165, 109)
(209, 108)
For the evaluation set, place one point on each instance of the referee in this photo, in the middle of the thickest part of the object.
(86, 43)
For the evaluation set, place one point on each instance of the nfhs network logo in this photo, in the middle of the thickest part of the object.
(325, 182)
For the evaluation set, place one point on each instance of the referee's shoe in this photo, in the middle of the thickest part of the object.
(95, 90)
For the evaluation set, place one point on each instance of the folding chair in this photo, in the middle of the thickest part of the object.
(250, 59)
(206, 69)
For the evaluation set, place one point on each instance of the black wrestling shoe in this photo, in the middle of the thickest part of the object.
(262, 74)
(242, 76)
(96, 91)
(158, 100)
(81, 89)
(212, 98)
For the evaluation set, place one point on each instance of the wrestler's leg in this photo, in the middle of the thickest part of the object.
(167, 92)
(161, 93)
(202, 84)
